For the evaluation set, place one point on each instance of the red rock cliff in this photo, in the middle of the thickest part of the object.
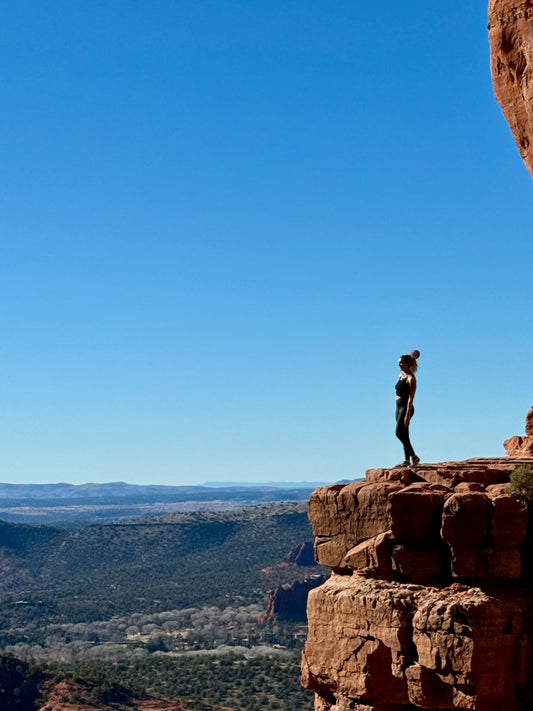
(511, 44)
(429, 605)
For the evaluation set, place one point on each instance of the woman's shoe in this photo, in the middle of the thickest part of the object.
(415, 461)
(402, 464)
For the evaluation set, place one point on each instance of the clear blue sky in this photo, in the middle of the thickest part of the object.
(222, 221)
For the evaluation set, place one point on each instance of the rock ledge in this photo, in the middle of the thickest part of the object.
(429, 605)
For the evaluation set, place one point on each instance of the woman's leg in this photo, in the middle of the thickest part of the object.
(402, 432)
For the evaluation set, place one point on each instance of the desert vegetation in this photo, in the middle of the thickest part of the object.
(167, 605)
(522, 483)
(230, 681)
(137, 635)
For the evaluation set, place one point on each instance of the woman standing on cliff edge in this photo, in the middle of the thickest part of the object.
(405, 394)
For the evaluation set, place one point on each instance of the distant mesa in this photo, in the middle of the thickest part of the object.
(511, 45)
(302, 554)
(289, 601)
(519, 446)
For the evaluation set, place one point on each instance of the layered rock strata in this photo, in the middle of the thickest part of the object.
(511, 43)
(428, 605)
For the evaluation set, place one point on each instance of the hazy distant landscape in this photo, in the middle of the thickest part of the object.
(77, 505)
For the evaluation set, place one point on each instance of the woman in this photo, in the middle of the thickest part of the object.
(405, 394)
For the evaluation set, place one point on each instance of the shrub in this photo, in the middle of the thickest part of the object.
(522, 483)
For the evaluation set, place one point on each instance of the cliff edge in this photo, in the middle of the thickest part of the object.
(429, 605)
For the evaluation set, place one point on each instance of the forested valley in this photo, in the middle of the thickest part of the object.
(168, 606)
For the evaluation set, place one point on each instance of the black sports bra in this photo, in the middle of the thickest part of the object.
(402, 388)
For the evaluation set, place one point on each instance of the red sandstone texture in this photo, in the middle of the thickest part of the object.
(429, 605)
(519, 446)
(511, 43)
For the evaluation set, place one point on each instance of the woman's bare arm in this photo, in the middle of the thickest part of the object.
(412, 389)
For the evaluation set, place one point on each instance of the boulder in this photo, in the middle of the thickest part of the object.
(372, 555)
(416, 512)
(466, 486)
(519, 446)
(342, 517)
(464, 528)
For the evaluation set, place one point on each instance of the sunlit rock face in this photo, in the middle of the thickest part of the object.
(383, 645)
(430, 601)
(511, 45)
(520, 446)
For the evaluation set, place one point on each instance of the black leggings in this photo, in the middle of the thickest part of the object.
(402, 432)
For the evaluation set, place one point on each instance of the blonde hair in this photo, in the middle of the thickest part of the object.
(411, 358)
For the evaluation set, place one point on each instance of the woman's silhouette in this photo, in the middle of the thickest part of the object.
(405, 394)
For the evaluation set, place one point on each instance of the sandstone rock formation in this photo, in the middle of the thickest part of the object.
(518, 446)
(301, 555)
(289, 602)
(429, 604)
(511, 42)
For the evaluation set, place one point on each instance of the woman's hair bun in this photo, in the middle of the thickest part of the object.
(414, 354)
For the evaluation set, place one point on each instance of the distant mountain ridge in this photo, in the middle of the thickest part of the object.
(121, 489)
(273, 484)
(75, 505)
